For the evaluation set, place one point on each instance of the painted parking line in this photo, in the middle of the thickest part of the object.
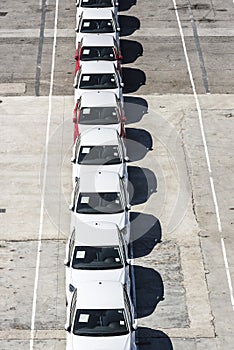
(224, 252)
(32, 334)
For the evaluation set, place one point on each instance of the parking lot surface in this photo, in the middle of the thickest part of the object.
(179, 102)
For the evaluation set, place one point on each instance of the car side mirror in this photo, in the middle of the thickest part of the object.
(74, 119)
(66, 262)
(134, 325)
(129, 261)
(122, 84)
(71, 207)
(73, 160)
(126, 159)
(118, 29)
(67, 327)
(128, 207)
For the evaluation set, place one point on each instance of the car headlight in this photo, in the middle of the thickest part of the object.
(71, 288)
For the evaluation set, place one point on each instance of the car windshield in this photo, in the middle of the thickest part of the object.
(98, 53)
(96, 258)
(96, 3)
(99, 203)
(97, 26)
(99, 155)
(98, 81)
(98, 116)
(97, 323)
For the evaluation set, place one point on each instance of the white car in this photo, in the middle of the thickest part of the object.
(94, 251)
(97, 21)
(98, 47)
(99, 149)
(100, 316)
(92, 4)
(98, 76)
(98, 109)
(101, 196)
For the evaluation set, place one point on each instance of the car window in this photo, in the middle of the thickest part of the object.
(98, 81)
(99, 155)
(73, 307)
(99, 203)
(77, 147)
(100, 322)
(75, 193)
(128, 306)
(97, 26)
(96, 3)
(105, 53)
(99, 116)
(97, 258)
(71, 245)
(122, 186)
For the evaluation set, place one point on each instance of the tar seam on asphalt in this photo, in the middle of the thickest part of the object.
(224, 251)
(40, 47)
(199, 50)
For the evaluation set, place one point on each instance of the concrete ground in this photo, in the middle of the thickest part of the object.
(182, 211)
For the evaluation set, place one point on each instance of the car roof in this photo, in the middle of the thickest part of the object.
(96, 234)
(91, 67)
(99, 295)
(99, 136)
(98, 99)
(97, 13)
(99, 181)
(98, 40)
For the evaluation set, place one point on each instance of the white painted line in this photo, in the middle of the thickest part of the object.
(32, 335)
(207, 156)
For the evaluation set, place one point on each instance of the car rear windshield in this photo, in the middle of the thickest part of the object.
(98, 81)
(98, 53)
(99, 203)
(96, 258)
(100, 322)
(96, 3)
(97, 26)
(98, 116)
(99, 155)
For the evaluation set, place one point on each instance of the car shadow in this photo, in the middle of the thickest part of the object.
(149, 290)
(151, 339)
(135, 108)
(138, 143)
(133, 79)
(125, 5)
(130, 50)
(142, 183)
(146, 232)
(128, 25)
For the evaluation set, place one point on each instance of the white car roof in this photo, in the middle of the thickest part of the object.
(97, 13)
(96, 234)
(99, 295)
(98, 40)
(91, 67)
(98, 99)
(99, 181)
(99, 136)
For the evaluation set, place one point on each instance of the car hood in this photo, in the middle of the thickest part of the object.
(122, 342)
(116, 168)
(120, 219)
(83, 127)
(95, 275)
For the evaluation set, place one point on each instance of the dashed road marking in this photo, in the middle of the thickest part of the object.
(207, 156)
